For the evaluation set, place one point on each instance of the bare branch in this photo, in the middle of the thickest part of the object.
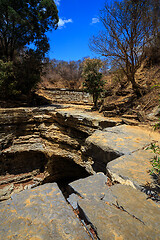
(128, 29)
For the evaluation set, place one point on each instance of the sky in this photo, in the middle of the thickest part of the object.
(78, 22)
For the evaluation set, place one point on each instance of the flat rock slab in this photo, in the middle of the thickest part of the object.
(122, 139)
(41, 213)
(132, 169)
(121, 213)
(78, 117)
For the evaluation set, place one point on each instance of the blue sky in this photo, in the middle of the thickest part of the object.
(78, 22)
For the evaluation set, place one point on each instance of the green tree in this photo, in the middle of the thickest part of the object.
(28, 65)
(129, 27)
(24, 22)
(21, 76)
(93, 83)
(8, 83)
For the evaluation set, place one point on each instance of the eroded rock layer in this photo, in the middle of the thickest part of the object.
(44, 144)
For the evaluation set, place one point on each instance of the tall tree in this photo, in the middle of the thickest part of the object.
(129, 26)
(24, 22)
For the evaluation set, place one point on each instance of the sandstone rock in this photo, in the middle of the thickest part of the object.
(73, 200)
(110, 113)
(24, 115)
(31, 153)
(113, 222)
(44, 144)
(84, 121)
(11, 183)
(129, 116)
(57, 134)
(41, 213)
(64, 165)
(17, 116)
(24, 157)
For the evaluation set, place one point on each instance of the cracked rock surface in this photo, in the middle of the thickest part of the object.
(116, 212)
(40, 213)
(132, 170)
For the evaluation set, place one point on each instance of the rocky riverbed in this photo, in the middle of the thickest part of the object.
(69, 173)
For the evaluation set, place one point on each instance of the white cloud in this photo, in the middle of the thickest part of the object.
(94, 20)
(57, 2)
(62, 22)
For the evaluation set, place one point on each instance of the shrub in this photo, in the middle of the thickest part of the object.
(27, 70)
(8, 82)
(155, 161)
(21, 76)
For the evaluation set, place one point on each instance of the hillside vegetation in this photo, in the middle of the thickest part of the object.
(118, 94)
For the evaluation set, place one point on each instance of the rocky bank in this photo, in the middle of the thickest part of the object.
(68, 173)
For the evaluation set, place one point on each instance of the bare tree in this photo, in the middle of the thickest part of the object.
(128, 29)
(68, 72)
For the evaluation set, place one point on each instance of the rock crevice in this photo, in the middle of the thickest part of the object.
(45, 140)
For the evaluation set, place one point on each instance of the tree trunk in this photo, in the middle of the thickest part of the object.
(95, 99)
(135, 86)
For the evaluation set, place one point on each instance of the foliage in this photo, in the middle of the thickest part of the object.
(27, 70)
(156, 150)
(25, 22)
(119, 77)
(23, 26)
(67, 73)
(129, 27)
(93, 83)
(20, 76)
(155, 160)
(153, 51)
(8, 83)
